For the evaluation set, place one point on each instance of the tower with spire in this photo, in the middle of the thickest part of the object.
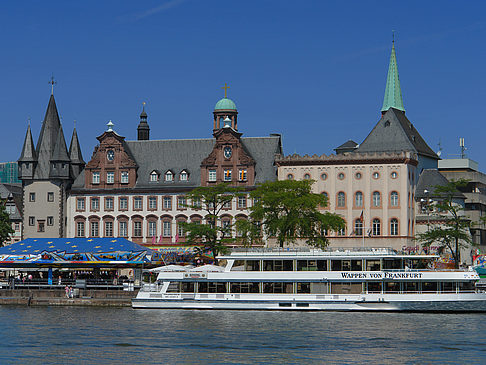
(143, 129)
(47, 171)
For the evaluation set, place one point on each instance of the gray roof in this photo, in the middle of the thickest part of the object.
(16, 191)
(347, 146)
(395, 133)
(187, 154)
(28, 150)
(428, 180)
(75, 149)
(60, 152)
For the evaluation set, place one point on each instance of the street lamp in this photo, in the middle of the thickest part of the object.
(426, 192)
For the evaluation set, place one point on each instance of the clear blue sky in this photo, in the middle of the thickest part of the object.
(313, 71)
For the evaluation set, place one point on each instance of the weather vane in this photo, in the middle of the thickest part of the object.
(52, 82)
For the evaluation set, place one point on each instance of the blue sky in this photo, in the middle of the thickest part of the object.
(313, 71)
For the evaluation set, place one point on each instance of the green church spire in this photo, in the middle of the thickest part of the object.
(393, 93)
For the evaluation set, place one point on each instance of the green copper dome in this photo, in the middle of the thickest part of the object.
(225, 104)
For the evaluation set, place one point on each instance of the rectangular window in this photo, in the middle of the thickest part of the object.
(242, 175)
(108, 229)
(50, 221)
(227, 175)
(17, 226)
(124, 177)
(152, 203)
(212, 175)
(180, 229)
(95, 229)
(41, 226)
(181, 202)
(227, 204)
(31, 221)
(32, 197)
(167, 202)
(123, 203)
(50, 196)
(196, 202)
(152, 229)
(241, 202)
(80, 204)
(166, 225)
(123, 229)
(95, 178)
(109, 204)
(80, 229)
(110, 177)
(137, 229)
(95, 204)
(137, 203)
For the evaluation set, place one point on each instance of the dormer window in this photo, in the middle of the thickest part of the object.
(169, 176)
(154, 176)
(183, 175)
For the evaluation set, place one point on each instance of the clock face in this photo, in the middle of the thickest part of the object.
(110, 155)
(227, 152)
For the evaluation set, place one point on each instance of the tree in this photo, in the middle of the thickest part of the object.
(288, 210)
(5, 225)
(452, 233)
(210, 236)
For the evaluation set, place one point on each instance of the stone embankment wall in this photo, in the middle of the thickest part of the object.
(85, 297)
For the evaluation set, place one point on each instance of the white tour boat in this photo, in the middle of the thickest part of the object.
(341, 280)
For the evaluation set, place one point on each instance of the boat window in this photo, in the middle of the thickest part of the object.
(278, 265)
(208, 287)
(346, 265)
(466, 286)
(346, 288)
(303, 288)
(278, 288)
(374, 287)
(318, 288)
(336, 265)
(410, 286)
(356, 265)
(238, 265)
(448, 286)
(174, 287)
(301, 304)
(392, 264)
(373, 265)
(187, 287)
(429, 286)
(252, 265)
(311, 265)
(244, 287)
(392, 287)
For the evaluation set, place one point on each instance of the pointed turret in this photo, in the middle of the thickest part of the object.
(143, 130)
(47, 140)
(77, 162)
(393, 92)
(28, 158)
(59, 167)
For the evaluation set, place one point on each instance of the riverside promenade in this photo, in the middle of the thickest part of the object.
(83, 297)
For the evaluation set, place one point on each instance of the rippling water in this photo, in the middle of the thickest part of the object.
(53, 335)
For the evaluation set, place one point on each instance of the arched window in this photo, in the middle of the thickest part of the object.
(341, 199)
(358, 227)
(290, 177)
(328, 203)
(376, 227)
(376, 199)
(394, 199)
(358, 199)
(169, 176)
(154, 176)
(394, 227)
(183, 175)
(307, 177)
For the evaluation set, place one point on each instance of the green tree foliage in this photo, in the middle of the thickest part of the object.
(452, 233)
(5, 225)
(288, 210)
(210, 236)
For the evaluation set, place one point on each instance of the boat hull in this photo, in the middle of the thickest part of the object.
(467, 302)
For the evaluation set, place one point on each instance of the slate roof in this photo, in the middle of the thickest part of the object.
(60, 152)
(187, 154)
(395, 133)
(428, 180)
(75, 149)
(347, 146)
(16, 191)
(28, 150)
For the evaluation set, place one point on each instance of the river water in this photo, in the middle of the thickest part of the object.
(57, 335)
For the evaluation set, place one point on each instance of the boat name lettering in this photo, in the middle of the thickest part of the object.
(381, 275)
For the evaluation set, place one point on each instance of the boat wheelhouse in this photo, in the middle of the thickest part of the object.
(345, 279)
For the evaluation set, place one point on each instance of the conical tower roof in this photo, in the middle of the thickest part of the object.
(28, 150)
(75, 149)
(60, 152)
(393, 92)
(47, 140)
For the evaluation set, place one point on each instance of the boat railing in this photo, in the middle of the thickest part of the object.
(314, 251)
